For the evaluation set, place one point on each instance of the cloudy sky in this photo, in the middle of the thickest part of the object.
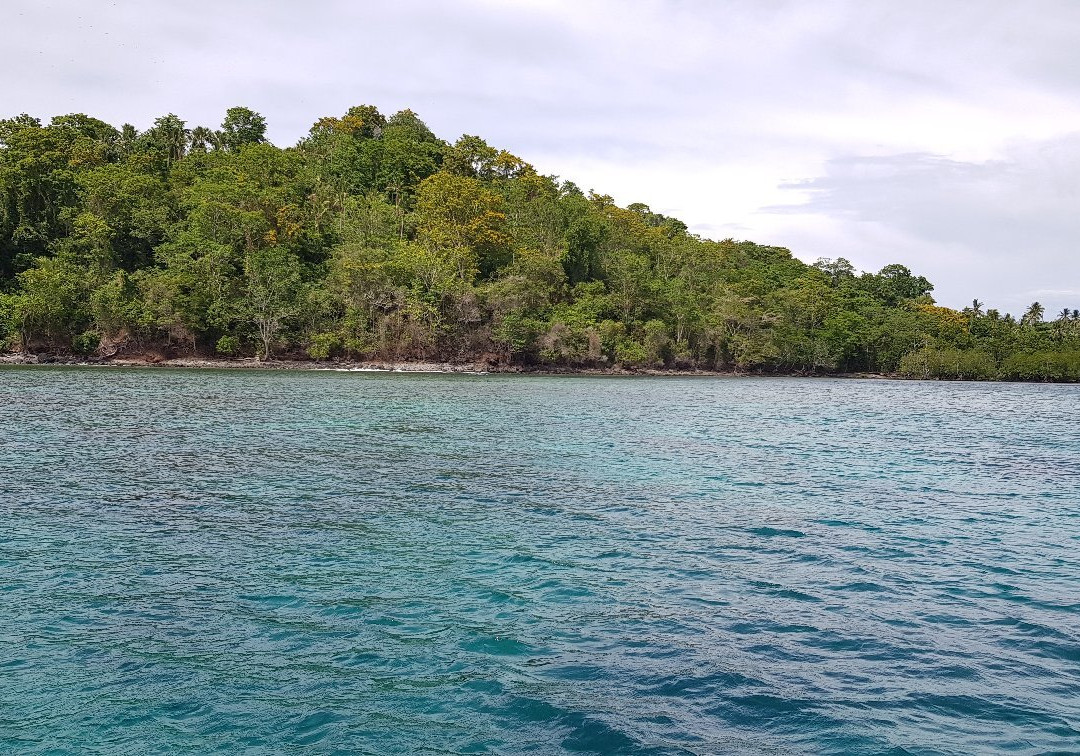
(943, 135)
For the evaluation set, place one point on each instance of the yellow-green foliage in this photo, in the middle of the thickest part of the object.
(375, 238)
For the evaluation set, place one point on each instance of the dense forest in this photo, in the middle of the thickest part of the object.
(373, 239)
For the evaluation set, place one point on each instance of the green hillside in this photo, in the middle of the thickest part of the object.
(375, 239)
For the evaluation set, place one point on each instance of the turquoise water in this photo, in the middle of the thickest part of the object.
(305, 562)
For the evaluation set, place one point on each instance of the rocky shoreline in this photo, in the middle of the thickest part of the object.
(381, 366)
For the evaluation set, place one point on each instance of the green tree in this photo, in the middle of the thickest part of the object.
(457, 212)
(272, 284)
(1033, 316)
(583, 240)
(51, 307)
(242, 126)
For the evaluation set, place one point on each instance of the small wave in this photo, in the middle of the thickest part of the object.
(769, 532)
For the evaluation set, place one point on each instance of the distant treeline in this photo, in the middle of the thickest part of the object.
(374, 239)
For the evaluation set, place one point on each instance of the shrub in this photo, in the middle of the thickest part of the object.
(656, 342)
(323, 345)
(631, 353)
(916, 364)
(1043, 366)
(518, 332)
(86, 342)
(966, 364)
(228, 346)
(8, 330)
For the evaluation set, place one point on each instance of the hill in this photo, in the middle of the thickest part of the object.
(375, 239)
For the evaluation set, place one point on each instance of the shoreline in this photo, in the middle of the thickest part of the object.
(421, 367)
(396, 366)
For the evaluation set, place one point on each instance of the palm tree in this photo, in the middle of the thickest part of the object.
(974, 312)
(171, 136)
(1033, 315)
(204, 139)
(1061, 325)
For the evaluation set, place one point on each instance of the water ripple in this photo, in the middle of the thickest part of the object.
(361, 563)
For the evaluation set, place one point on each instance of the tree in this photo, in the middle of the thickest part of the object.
(272, 278)
(837, 270)
(242, 126)
(408, 154)
(37, 189)
(52, 306)
(457, 212)
(1033, 315)
(974, 312)
(895, 283)
(630, 285)
(471, 157)
(345, 153)
(583, 240)
(136, 207)
(204, 139)
(166, 141)
(1063, 324)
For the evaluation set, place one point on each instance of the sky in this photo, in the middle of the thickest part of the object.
(941, 135)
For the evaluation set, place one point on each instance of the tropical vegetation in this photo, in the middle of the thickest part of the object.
(374, 239)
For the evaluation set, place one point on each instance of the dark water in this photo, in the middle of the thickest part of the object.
(356, 563)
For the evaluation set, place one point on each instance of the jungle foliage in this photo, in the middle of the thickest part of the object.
(372, 238)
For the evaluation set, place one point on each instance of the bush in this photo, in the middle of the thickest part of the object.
(518, 332)
(561, 343)
(976, 365)
(611, 332)
(656, 342)
(53, 303)
(116, 305)
(323, 345)
(228, 346)
(682, 359)
(1043, 366)
(916, 364)
(8, 330)
(86, 342)
(964, 364)
(630, 353)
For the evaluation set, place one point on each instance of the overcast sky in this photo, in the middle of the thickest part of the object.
(941, 135)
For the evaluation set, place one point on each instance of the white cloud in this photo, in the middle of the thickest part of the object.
(702, 109)
(974, 225)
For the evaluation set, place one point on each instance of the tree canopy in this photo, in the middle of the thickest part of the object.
(375, 239)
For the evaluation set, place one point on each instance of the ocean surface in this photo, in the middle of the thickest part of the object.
(321, 562)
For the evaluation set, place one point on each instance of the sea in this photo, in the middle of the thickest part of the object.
(310, 562)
